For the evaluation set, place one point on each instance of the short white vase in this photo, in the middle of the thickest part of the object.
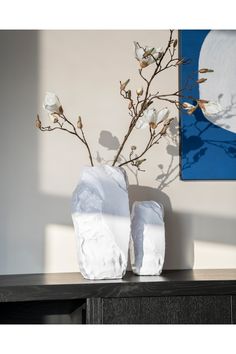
(147, 249)
(101, 218)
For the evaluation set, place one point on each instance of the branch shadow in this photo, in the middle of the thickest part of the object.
(179, 245)
(107, 140)
(200, 137)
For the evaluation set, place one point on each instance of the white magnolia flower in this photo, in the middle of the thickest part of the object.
(152, 116)
(51, 103)
(211, 108)
(155, 53)
(188, 106)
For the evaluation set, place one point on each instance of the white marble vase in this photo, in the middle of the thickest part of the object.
(101, 218)
(147, 250)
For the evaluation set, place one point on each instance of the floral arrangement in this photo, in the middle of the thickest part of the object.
(141, 104)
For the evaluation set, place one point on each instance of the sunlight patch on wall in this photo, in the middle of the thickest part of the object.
(60, 249)
(214, 255)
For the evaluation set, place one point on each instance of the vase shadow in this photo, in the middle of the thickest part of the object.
(179, 243)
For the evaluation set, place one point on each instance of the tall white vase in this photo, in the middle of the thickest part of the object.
(101, 217)
(147, 251)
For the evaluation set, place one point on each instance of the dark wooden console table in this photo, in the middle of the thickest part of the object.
(175, 297)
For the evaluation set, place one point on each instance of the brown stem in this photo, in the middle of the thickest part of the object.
(139, 156)
(73, 132)
(154, 139)
(121, 146)
(150, 143)
(137, 114)
(87, 146)
(83, 140)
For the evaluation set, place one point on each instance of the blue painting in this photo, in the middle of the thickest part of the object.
(208, 142)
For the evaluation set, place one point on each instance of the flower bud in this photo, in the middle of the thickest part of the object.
(164, 130)
(166, 126)
(139, 91)
(175, 43)
(191, 110)
(202, 101)
(143, 64)
(52, 103)
(61, 111)
(187, 105)
(180, 61)
(128, 94)
(205, 70)
(139, 162)
(79, 123)
(146, 104)
(38, 123)
(200, 81)
(133, 147)
(152, 125)
(124, 84)
(148, 52)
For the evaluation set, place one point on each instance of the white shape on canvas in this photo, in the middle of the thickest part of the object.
(147, 250)
(101, 217)
(218, 52)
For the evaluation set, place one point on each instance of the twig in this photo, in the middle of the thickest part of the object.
(73, 132)
(146, 101)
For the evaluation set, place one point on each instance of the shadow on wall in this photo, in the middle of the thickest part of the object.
(182, 229)
(167, 173)
(24, 211)
(200, 135)
(179, 244)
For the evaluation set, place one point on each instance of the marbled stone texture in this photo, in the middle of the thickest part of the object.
(101, 217)
(147, 249)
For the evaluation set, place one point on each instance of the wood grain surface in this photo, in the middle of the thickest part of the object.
(36, 287)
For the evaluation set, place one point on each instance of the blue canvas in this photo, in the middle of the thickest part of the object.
(208, 151)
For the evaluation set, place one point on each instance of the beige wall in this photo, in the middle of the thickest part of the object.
(40, 170)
